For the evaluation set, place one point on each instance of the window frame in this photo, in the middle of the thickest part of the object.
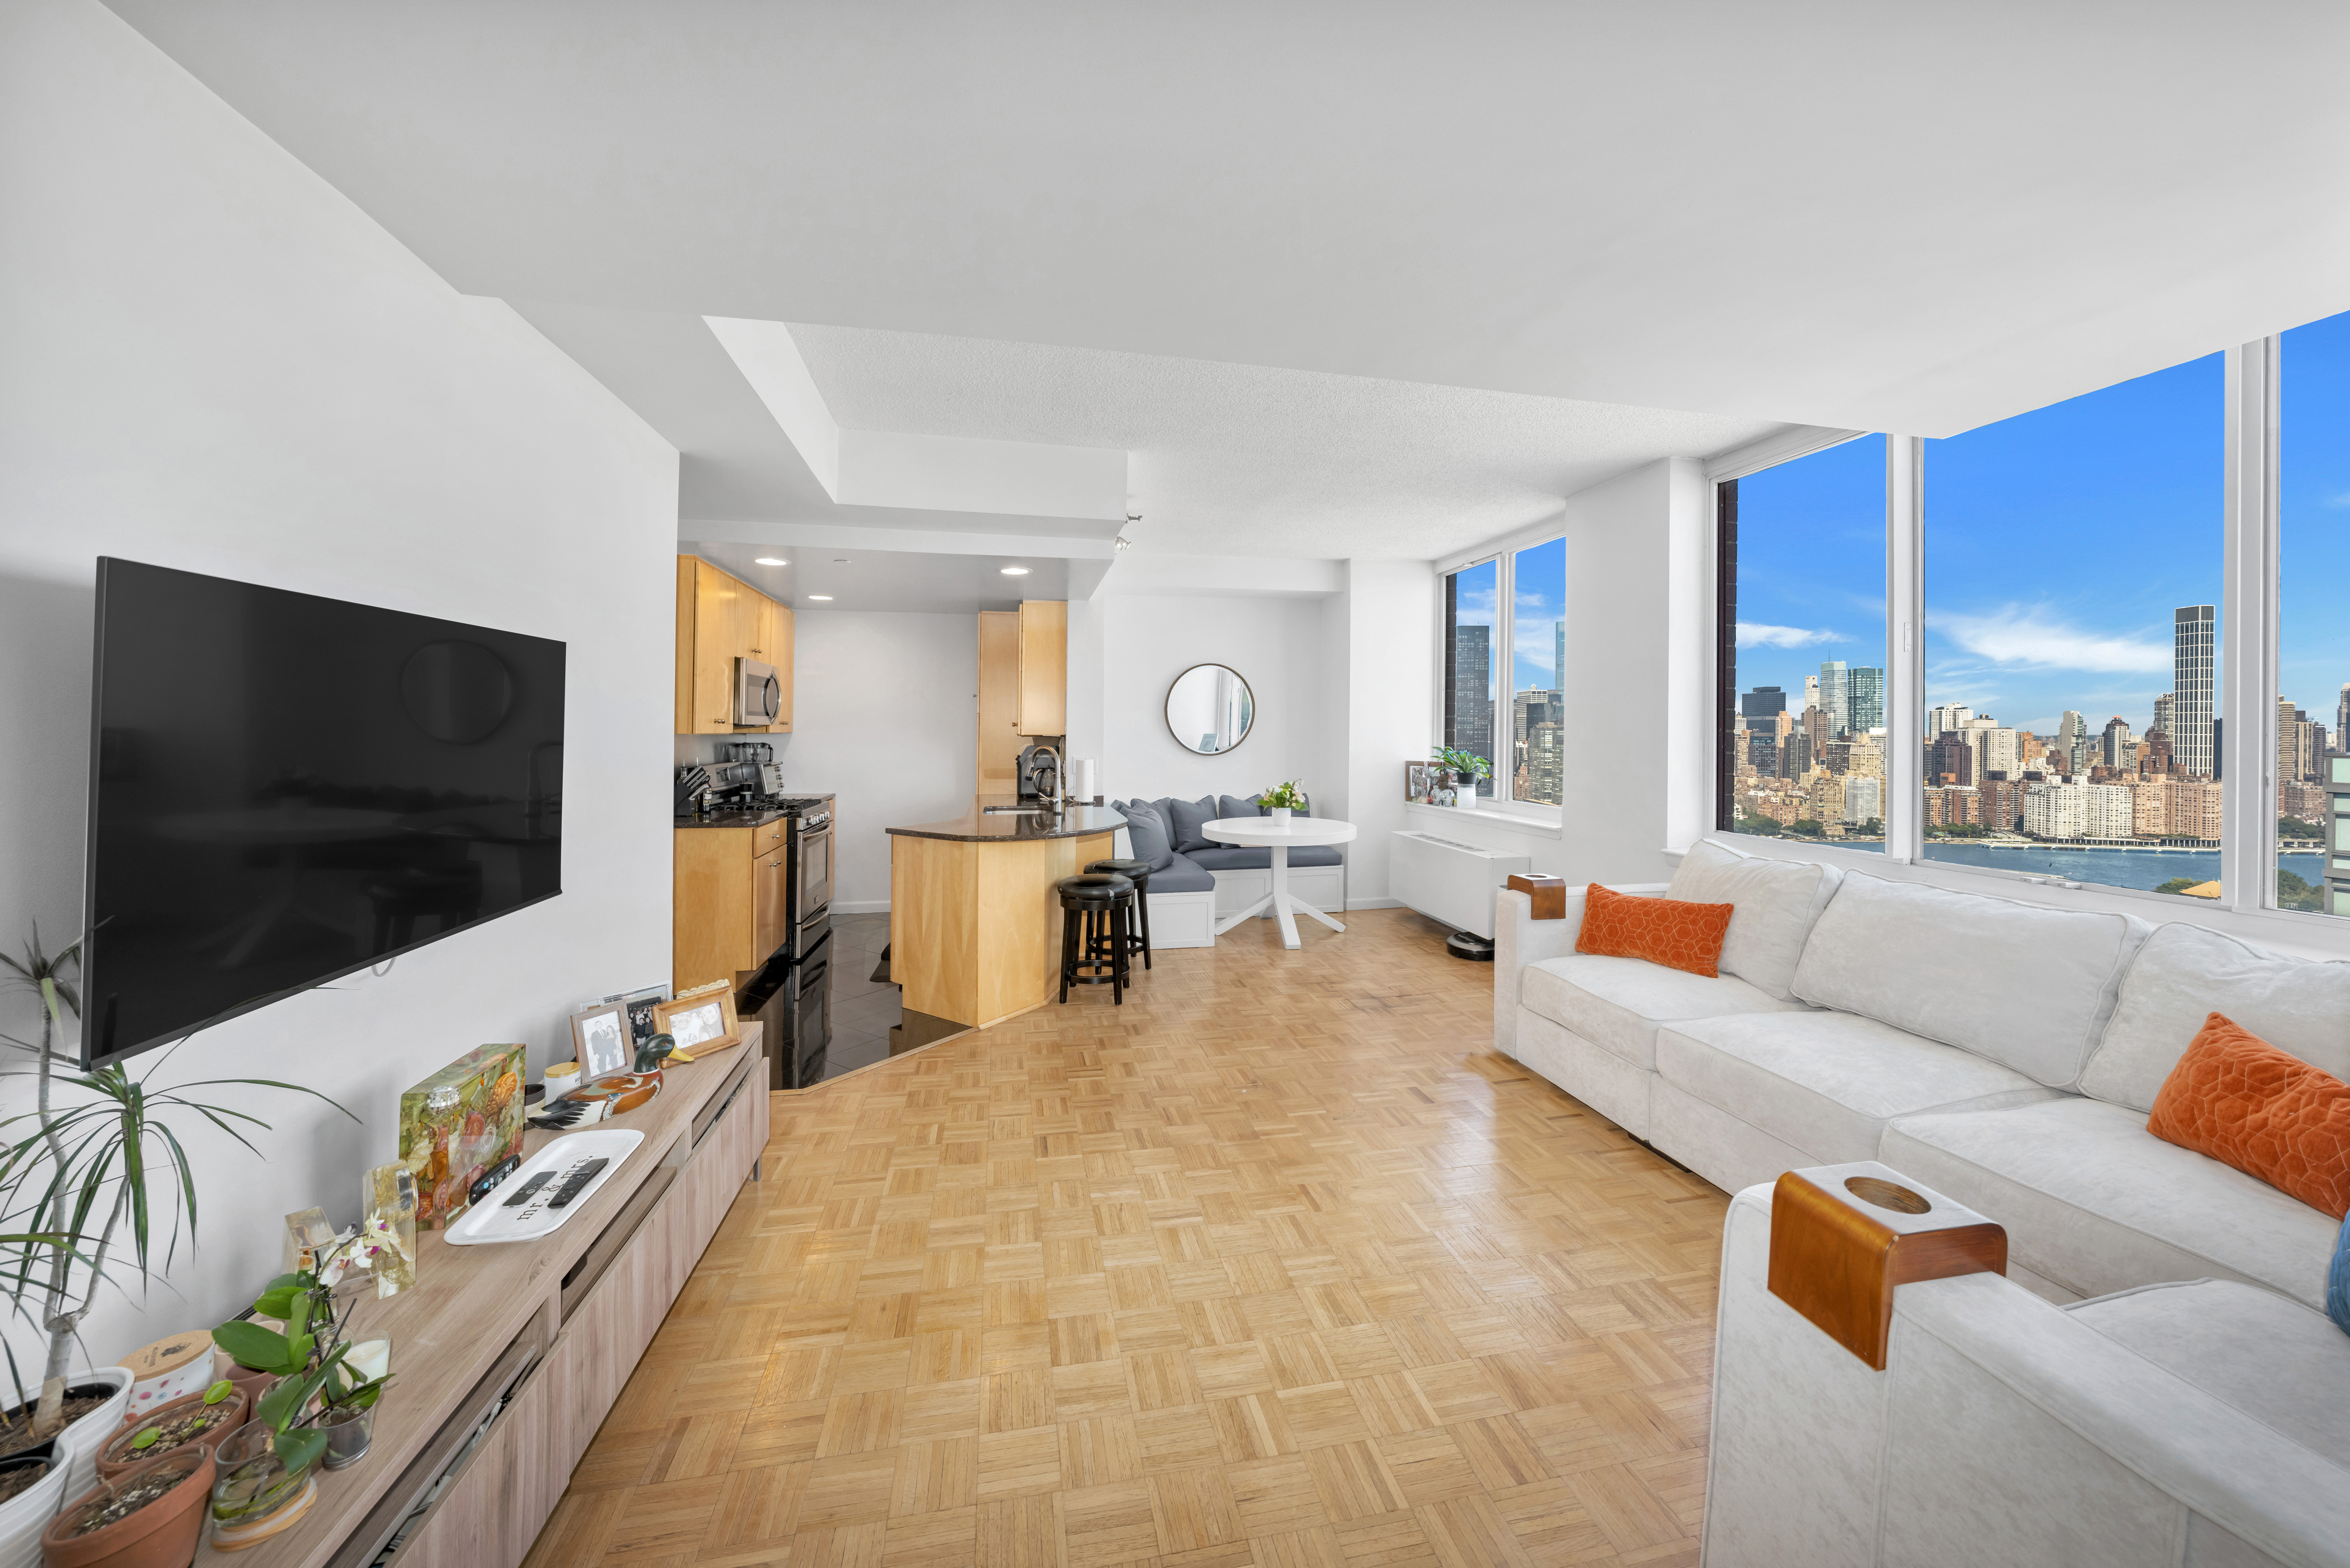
(2247, 647)
(1504, 553)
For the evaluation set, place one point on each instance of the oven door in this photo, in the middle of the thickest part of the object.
(812, 892)
(758, 694)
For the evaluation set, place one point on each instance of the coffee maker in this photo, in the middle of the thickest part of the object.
(1040, 769)
(767, 783)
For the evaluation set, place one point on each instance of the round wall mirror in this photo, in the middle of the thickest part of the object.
(1210, 708)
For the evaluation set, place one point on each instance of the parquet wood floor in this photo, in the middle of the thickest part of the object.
(1279, 1264)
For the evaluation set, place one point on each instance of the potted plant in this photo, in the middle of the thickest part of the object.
(1282, 799)
(149, 1516)
(1467, 768)
(32, 1484)
(84, 1178)
(264, 1481)
(207, 1418)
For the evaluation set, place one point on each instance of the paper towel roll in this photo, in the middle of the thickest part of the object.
(1085, 790)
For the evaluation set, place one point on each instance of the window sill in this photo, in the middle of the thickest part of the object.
(1499, 816)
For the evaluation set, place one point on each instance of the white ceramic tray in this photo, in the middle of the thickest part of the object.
(492, 1220)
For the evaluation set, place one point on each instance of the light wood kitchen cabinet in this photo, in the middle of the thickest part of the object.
(729, 893)
(720, 618)
(1000, 741)
(767, 902)
(1044, 668)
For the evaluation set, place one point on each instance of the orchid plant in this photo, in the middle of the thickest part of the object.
(307, 1354)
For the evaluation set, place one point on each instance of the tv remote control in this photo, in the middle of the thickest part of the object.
(581, 1174)
(529, 1189)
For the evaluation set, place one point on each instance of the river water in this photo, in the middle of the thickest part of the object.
(2107, 867)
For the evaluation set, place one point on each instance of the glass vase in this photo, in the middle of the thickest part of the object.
(349, 1434)
(254, 1496)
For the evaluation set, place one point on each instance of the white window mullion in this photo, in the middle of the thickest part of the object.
(1505, 636)
(1905, 647)
(2247, 630)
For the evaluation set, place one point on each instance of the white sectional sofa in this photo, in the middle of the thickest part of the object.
(2194, 1410)
(2000, 1052)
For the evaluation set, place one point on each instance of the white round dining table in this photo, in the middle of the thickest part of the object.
(1265, 833)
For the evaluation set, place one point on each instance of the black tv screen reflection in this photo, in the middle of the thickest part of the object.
(286, 789)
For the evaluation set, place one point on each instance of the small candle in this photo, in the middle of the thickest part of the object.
(371, 1358)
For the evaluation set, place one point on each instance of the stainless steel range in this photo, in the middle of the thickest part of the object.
(790, 993)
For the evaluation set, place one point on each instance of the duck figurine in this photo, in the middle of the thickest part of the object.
(609, 1097)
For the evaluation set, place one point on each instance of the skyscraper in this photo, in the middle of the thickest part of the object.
(2072, 741)
(1471, 697)
(1558, 663)
(1948, 716)
(1761, 703)
(1835, 695)
(2162, 715)
(2342, 720)
(2190, 687)
(1868, 700)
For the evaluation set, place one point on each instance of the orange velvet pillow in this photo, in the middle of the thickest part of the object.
(1671, 931)
(2243, 1102)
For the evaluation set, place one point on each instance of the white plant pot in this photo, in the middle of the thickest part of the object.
(1278, 813)
(1464, 795)
(77, 1444)
(25, 1515)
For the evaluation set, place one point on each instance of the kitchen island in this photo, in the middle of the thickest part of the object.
(975, 919)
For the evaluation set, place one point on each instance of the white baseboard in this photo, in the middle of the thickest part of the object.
(865, 907)
(1375, 903)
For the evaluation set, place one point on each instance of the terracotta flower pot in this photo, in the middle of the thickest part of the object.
(162, 1534)
(118, 1456)
(251, 1384)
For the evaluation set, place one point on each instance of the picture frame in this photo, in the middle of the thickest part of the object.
(600, 1038)
(1420, 782)
(642, 1026)
(700, 1024)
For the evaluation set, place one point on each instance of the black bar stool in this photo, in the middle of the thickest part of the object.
(1094, 940)
(1138, 873)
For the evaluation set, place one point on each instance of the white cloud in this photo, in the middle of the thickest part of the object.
(1754, 634)
(2028, 636)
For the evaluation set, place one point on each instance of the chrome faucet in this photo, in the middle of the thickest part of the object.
(1057, 791)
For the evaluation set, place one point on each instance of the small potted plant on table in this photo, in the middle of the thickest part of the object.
(1467, 767)
(207, 1418)
(1280, 800)
(149, 1516)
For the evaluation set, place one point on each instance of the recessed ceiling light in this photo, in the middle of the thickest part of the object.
(772, 561)
(1014, 571)
(840, 560)
(826, 597)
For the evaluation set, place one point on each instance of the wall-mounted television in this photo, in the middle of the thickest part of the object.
(286, 789)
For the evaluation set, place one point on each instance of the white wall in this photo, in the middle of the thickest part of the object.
(1387, 620)
(884, 715)
(1278, 647)
(210, 360)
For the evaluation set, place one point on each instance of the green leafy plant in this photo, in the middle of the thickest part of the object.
(1468, 763)
(1282, 797)
(83, 1172)
(306, 1357)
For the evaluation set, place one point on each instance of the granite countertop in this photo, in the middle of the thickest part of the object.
(758, 816)
(977, 826)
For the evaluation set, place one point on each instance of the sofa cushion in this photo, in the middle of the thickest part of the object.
(2095, 1202)
(1828, 1082)
(1777, 900)
(1617, 1002)
(2277, 1361)
(2184, 971)
(1668, 931)
(1181, 875)
(2027, 986)
(1232, 805)
(1187, 817)
(1233, 857)
(1147, 832)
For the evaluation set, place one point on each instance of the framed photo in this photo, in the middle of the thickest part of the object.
(601, 1036)
(1420, 782)
(642, 1026)
(700, 1024)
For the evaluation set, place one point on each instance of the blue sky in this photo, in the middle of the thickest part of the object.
(2057, 545)
(1541, 606)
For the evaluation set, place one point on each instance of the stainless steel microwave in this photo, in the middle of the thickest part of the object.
(758, 694)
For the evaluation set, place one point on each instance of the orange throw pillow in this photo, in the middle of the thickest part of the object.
(2243, 1102)
(1671, 931)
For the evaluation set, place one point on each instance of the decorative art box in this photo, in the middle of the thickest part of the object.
(457, 1125)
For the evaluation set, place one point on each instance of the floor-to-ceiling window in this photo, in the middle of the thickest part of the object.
(2312, 703)
(2073, 560)
(1537, 763)
(1801, 723)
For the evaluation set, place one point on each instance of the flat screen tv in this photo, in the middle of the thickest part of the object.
(284, 789)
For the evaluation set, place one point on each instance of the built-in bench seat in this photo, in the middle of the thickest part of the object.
(1195, 881)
